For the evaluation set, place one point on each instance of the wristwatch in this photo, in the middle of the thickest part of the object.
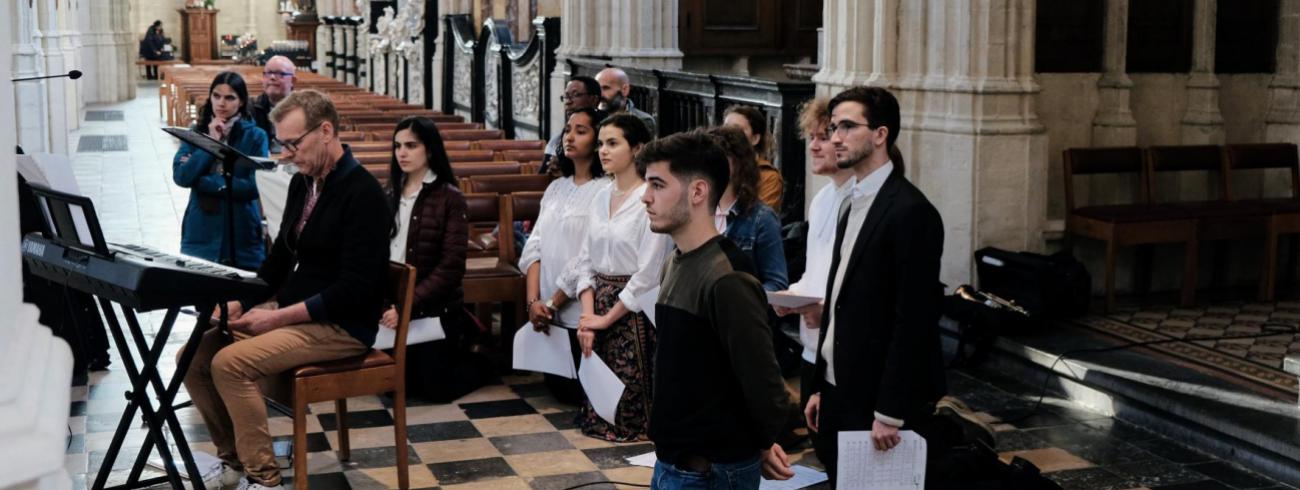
(549, 304)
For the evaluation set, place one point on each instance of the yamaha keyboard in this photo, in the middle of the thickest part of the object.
(139, 277)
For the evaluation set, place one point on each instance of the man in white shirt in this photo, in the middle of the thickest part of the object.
(879, 363)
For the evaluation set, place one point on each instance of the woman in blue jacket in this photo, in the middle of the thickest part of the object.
(743, 218)
(224, 117)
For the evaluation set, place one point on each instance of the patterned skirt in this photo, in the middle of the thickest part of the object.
(627, 347)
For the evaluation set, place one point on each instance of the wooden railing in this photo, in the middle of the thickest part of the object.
(490, 79)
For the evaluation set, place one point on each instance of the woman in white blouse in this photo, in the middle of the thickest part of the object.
(620, 261)
(558, 235)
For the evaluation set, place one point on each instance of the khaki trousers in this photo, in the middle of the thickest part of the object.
(223, 382)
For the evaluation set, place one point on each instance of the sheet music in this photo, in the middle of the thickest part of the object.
(790, 300)
(861, 466)
(419, 331)
(603, 387)
(544, 353)
(804, 477)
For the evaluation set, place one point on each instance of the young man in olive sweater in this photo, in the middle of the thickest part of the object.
(719, 401)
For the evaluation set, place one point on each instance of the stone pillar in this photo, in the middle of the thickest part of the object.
(1282, 123)
(970, 133)
(56, 88)
(1202, 122)
(71, 45)
(1114, 124)
(28, 61)
(109, 49)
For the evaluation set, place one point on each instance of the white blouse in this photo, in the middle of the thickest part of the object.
(622, 244)
(397, 246)
(557, 236)
(823, 212)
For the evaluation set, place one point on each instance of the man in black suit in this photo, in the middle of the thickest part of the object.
(879, 363)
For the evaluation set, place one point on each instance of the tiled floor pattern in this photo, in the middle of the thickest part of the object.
(515, 435)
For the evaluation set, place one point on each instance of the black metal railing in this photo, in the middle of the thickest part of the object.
(681, 101)
(489, 78)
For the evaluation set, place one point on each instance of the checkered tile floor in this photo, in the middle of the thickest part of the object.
(514, 434)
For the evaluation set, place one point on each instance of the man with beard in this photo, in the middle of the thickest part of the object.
(614, 88)
(719, 401)
(580, 93)
(277, 83)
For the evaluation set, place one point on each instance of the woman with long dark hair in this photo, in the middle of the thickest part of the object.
(430, 233)
(557, 236)
(225, 116)
(751, 121)
(746, 220)
(620, 261)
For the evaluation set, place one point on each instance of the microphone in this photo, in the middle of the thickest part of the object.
(74, 74)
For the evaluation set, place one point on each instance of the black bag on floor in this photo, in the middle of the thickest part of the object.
(1046, 286)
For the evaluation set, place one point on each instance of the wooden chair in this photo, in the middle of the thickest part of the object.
(508, 184)
(1137, 223)
(523, 155)
(370, 374)
(496, 279)
(470, 134)
(1283, 212)
(456, 145)
(470, 155)
(463, 170)
(497, 145)
(371, 146)
(352, 137)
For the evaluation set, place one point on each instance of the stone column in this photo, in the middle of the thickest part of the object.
(1114, 124)
(1202, 122)
(28, 61)
(52, 56)
(970, 135)
(71, 46)
(1282, 123)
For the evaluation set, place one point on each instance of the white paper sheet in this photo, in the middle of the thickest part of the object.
(790, 300)
(647, 460)
(207, 464)
(603, 387)
(421, 330)
(647, 301)
(862, 466)
(803, 477)
(542, 352)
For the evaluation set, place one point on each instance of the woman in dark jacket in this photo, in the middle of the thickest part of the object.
(430, 232)
(224, 117)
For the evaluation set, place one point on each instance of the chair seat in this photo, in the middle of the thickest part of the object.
(483, 267)
(372, 359)
(1131, 213)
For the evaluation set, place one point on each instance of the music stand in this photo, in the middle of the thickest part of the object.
(72, 222)
(230, 159)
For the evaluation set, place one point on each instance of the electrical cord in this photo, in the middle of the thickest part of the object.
(642, 485)
(1269, 330)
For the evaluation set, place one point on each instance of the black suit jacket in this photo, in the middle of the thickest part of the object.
(887, 353)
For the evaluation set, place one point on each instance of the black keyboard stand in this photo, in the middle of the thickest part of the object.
(159, 415)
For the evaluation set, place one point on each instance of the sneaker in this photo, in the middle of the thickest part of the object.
(973, 429)
(247, 483)
(228, 477)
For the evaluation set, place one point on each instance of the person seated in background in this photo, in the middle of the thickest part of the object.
(152, 49)
(719, 401)
(557, 237)
(751, 121)
(620, 260)
(743, 218)
(204, 232)
(614, 90)
(326, 275)
(430, 232)
(580, 93)
(277, 83)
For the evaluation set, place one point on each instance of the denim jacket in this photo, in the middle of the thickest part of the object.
(758, 233)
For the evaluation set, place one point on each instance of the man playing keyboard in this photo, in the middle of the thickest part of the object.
(325, 273)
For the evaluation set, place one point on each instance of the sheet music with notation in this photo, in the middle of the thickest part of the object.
(860, 465)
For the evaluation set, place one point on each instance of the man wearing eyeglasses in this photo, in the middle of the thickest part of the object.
(879, 363)
(277, 83)
(581, 92)
(326, 274)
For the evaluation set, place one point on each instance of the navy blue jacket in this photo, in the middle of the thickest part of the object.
(203, 230)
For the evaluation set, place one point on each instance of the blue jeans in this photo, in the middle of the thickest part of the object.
(744, 475)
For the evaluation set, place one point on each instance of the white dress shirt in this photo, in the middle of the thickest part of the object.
(823, 212)
(622, 244)
(557, 236)
(397, 246)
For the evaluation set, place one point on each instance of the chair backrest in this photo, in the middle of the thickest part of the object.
(471, 134)
(508, 184)
(1091, 161)
(401, 283)
(523, 155)
(456, 145)
(511, 144)
(1265, 156)
(463, 170)
(525, 206)
(484, 209)
(1185, 158)
(470, 155)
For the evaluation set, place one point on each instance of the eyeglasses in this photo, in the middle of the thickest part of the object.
(568, 97)
(280, 74)
(293, 145)
(843, 127)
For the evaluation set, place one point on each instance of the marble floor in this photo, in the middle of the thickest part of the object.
(514, 434)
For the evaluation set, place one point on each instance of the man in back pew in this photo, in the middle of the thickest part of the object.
(277, 83)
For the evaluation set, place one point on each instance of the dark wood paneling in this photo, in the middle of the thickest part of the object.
(1160, 36)
(1069, 36)
(1246, 37)
(749, 27)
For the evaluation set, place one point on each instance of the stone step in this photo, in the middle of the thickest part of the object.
(1232, 419)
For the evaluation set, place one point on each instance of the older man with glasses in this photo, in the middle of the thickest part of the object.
(277, 83)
